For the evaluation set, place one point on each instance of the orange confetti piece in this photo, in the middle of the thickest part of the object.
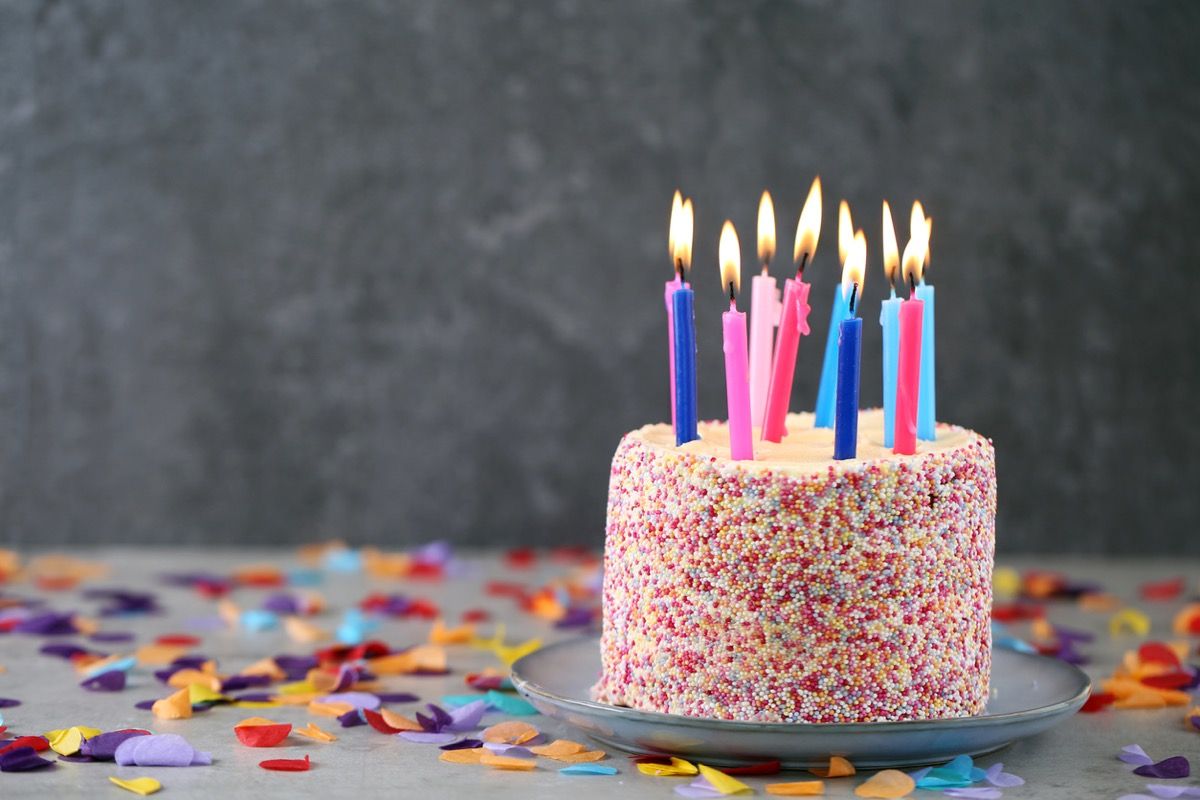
(796, 789)
(513, 732)
(838, 768)
(506, 762)
(429, 657)
(186, 677)
(266, 666)
(559, 747)
(329, 709)
(440, 634)
(1187, 621)
(304, 632)
(586, 755)
(399, 721)
(1145, 699)
(159, 655)
(255, 721)
(465, 756)
(311, 731)
(176, 706)
(1099, 602)
(891, 783)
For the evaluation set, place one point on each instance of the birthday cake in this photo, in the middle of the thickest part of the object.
(796, 588)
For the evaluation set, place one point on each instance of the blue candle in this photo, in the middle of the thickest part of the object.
(889, 318)
(828, 385)
(927, 400)
(685, 366)
(845, 435)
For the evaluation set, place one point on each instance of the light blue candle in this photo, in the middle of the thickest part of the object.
(927, 400)
(827, 390)
(889, 318)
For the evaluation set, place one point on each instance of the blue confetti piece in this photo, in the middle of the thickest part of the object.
(124, 665)
(509, 704)
(459, 700)
(305, 577)
(588, 769)
(343, 561)
(256, 619)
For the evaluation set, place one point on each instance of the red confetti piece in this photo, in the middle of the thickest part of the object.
(520, 557)
(262, 735)
(1163, 590)
(426, 570)
(476, 615)
(287, 764)
(1158, 653)
(178, 640)
(422, 608)
(375, 720)
(38, 743)
(1016, 612)
(1097, 702)
(765, 768)
(1172, 680)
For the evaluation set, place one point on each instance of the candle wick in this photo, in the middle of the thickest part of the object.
(853, 297)
(679, 269)
(764, 269)
(912, 284)
(732, 294)
(801, 264)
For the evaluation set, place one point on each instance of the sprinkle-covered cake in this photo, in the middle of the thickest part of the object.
(796, 588)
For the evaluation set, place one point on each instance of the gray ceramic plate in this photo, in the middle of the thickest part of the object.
(1029, 694)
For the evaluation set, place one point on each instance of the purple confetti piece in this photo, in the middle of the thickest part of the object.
(1163, 790)
(696, 792)
(254, 697)
(77, 759)
(1134, 754)
(423, 737)
(8, 702)
(103, 747)
(111, 681)
(463, 744)
(112, 636)
(397, 697)
(351, 719)
(145, 705)
(356, 699)
(917, 774)
(281, 603)
(200, 759)
(1136, 797)
(48, 624)
(63, 651)
(194, 661)
(975, 793)
(996, 776)
(21, 759)
(163, 750)
(347, 677)
(575, 618)
(468, 717)
(235, 683)
(513, 750)
(1167, 769)
(296, 667)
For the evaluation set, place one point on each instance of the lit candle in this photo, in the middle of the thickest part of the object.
(927, 403)
(733, 327)
(669, 290)
(684, 332)
(889, 318)
(794, 319)
(764, 313)
(908, 384)
(845, 434)
(828, 386)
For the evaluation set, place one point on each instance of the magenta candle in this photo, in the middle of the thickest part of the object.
(764, 314)
(733, 329)
(908, 378)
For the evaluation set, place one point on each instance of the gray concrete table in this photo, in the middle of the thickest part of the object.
(1075, 760)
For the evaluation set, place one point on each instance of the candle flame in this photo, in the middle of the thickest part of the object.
(766, 229)
(845, 231)
(730, 255)
(682, 224)
(808, 230)
(915, 253)
(916, 220)
(891, 250)
(854, 269)
(928, 239)
(673, 229)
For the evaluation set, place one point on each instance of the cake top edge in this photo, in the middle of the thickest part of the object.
(806, 449)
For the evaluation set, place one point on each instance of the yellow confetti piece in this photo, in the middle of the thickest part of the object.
(510, 655)
(311, 731)
(796, 789)
(725, 784)
(1006, 582)
(506, 762)
(440, 634)
(677, 766)
(297, 687)
(67, 741)
(256, 704)
(838, 768)
(1131, 620)
(142, 786)
(465, 756)
(512, 732)
(198, 693)
(176, 706)
(889, 784)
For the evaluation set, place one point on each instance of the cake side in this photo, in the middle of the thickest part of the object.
(810, 593)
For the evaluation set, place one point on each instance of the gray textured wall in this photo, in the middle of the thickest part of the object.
(278, 270)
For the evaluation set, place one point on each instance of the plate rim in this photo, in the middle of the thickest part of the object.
(526, 686)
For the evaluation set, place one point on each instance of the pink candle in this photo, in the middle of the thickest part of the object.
(764, 315)
(792, 325)
(908, 379)
(733, 328)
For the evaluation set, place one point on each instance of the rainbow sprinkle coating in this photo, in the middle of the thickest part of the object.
(854, 593)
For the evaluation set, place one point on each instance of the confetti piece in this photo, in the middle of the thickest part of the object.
(304, 632)
(502, 762)
(142, 786)
(287, 764)
(8, 702)
(1097, 701)
(257, 732)
(440, 634)
(1169, 768)
(996, 776)
(463, 744)
(311, 731)
(559, 747)
(1134, 754)
(163, 750)
(1162, 590)
(67, 741)
(38, 743)
(509, 704)
(513, 750)
(889, 783)
(1187, 621)
(1192, 719)
(104, 746)
(267, 667)
(1129, 620)
(974, 793)
(330, 709)
(111, 681)
(1101, 602)
(796, 788)
(176, 706)
(426, 737)
(159, 655)
(838, 768)
(588, 769)
(677, 766)
(512, 732)
(1006, 581)
(22, 759)
(1163, 790)
(462, 756)
(722, 783)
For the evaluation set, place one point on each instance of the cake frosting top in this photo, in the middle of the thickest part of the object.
(806, 450)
